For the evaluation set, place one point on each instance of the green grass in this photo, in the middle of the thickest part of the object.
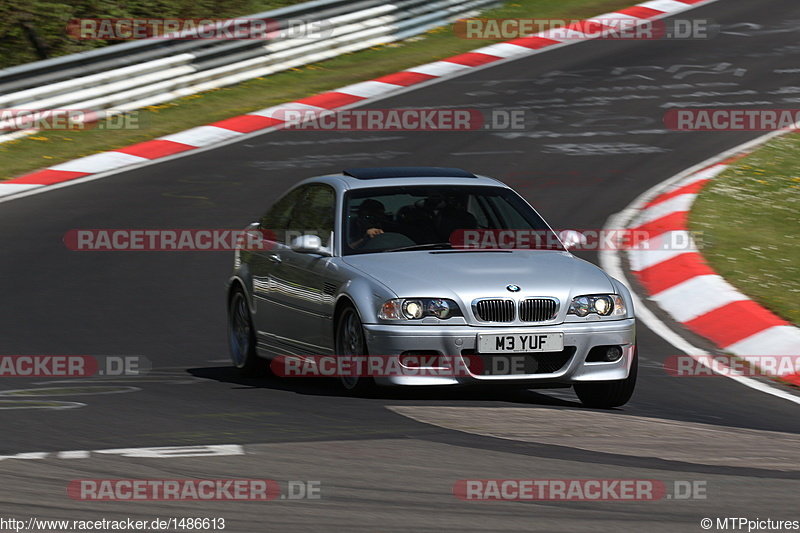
(750, 217)
(48, 148)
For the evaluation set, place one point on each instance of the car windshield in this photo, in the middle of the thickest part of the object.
(395, 219)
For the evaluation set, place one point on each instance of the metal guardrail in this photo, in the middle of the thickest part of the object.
(141, 73)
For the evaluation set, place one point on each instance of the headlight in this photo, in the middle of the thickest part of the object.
(416, 308)
(600, 304)
(413, 309)
(443, 308)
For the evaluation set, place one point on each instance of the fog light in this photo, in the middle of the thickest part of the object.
(613, 353)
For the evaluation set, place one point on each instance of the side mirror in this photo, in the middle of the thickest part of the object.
(251, 239)
(309, 244)
(571, 238)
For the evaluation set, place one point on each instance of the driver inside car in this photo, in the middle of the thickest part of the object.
(369, 223)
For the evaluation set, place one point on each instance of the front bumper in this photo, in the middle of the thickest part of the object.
(391, 340)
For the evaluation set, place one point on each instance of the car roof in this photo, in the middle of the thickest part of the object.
(370, 177)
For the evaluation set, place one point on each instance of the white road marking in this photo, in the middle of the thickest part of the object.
(490, 153)
(160, 452)
(9, 405)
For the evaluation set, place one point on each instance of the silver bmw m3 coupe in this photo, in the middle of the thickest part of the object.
(441, 276)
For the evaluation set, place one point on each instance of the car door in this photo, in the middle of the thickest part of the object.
(265, 260)
(295, 298)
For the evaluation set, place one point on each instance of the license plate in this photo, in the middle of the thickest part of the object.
(521, 343)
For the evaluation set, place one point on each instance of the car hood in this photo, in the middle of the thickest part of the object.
(466, 275)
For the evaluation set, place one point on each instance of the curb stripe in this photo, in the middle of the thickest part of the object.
(406, 78)
(472, 59)
(101, 162)
(533, 43)
(734, 322)
(330, 100)
(684, 285)
(682, 202)
(296, 106)
(201, 136)
(15, 188)
(439, 69)
(45, 177)
(640, 12)
(671, 222)
(671, 272)
(781, 340)
(663, 5)
(503, 50)
(246, 123)
(691, 188)
(155, 149)
(697, 296)
(368, 89)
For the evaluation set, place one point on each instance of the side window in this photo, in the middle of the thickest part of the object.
(278, 217)
(315, 213)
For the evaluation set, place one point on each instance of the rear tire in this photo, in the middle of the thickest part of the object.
(350, 342)
(242, 338)
(608, 394)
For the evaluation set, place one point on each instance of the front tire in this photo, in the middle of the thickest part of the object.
(608, 394)
(350, 341)
(242, 338)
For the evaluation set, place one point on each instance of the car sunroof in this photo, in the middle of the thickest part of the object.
(406, 172)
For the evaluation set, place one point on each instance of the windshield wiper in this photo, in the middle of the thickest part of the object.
(432, 246)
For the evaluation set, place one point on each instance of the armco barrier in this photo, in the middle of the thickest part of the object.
(142, 73)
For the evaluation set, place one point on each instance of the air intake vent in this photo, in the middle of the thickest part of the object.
(532, 363)
(538, 309)
(495, 310)
(329, 289)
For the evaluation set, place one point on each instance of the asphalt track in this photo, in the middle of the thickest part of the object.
(390, 463)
